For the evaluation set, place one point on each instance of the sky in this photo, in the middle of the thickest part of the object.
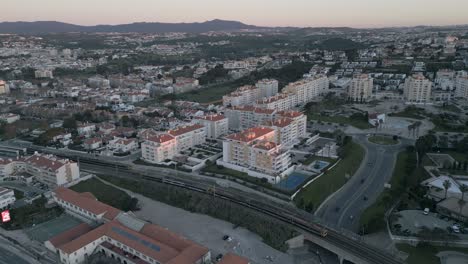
(313, 13)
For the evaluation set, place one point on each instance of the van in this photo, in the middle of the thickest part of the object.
(426, 211)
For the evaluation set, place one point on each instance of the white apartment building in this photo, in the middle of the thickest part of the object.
(157, 149)
(255, 152)
(7, 197)
(245, 95)
(52, 170)
(290, 127)
(47, 169)
(279, 102)
(297, 93)
(217, 125)
(461, 85)
(121, 236)
(188, 136)
(417, 89)
(360, 88)
(445, 79)
(268, 87)
(308, 89)
(243, 117)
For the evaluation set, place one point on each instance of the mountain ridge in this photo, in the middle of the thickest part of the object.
(38, 27)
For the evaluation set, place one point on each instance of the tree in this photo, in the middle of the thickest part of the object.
(447, 184)
(463, 189)
(69, 123)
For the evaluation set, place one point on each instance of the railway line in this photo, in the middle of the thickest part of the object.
(356, 247)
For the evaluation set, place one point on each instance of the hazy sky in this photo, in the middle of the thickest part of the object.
(357, 13)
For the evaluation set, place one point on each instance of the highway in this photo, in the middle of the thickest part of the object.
(342, 210)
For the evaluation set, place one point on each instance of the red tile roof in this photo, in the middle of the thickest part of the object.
(216, 117)
(230, 258)
(70, 235)
(45, 161)
(161, 138)
(87, 202)
(184, 129)
(250, 134)
(290, 114)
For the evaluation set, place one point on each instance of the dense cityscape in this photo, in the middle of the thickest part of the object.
(223, 142)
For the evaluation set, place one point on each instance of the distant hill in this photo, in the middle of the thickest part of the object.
(142, 27)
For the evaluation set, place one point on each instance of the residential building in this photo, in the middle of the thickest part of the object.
(461, 85)
(118, 235)
(7, 197)
(10, 118)
(290, 127)
(417, 89)
(86, 129)
(183, 85)
(4, 88)
(157, 149)
(243, 117)
(122, 145)
(188, 136)
(308, 89)
(267, 87)
(216, 125)
(44, 74)
(47, 169)
(245, 95)
(92, 143)
(360, 88)
(255, 152)
(279, 102)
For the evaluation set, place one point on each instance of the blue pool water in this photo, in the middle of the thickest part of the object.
(319, 165)
(292, 181)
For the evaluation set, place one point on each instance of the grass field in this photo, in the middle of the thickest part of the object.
(361, 124)
(209, 93)
(383, 140)
(426, 254)
(333, 179)
(106, 194)
(411, 112)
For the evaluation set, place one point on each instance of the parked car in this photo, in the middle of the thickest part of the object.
(426, 211)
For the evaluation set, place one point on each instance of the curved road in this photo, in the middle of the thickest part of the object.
(343, 208)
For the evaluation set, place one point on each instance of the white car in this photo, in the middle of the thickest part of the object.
(456, 229)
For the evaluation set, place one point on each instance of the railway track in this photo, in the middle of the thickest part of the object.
(356, 247)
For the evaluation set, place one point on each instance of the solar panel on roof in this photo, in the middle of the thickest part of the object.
(136, 238)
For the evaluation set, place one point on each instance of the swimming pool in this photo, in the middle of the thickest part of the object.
(291, 182)
(319, 165)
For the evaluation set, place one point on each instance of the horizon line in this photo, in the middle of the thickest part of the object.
(227, 20)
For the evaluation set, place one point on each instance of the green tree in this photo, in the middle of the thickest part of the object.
(447, 184)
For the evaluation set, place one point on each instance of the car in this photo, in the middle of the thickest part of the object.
(219, 257)
(227, 238)
(456, 229)
(426, 211)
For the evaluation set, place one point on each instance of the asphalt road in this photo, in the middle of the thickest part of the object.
(8, 257)
(342, 210)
